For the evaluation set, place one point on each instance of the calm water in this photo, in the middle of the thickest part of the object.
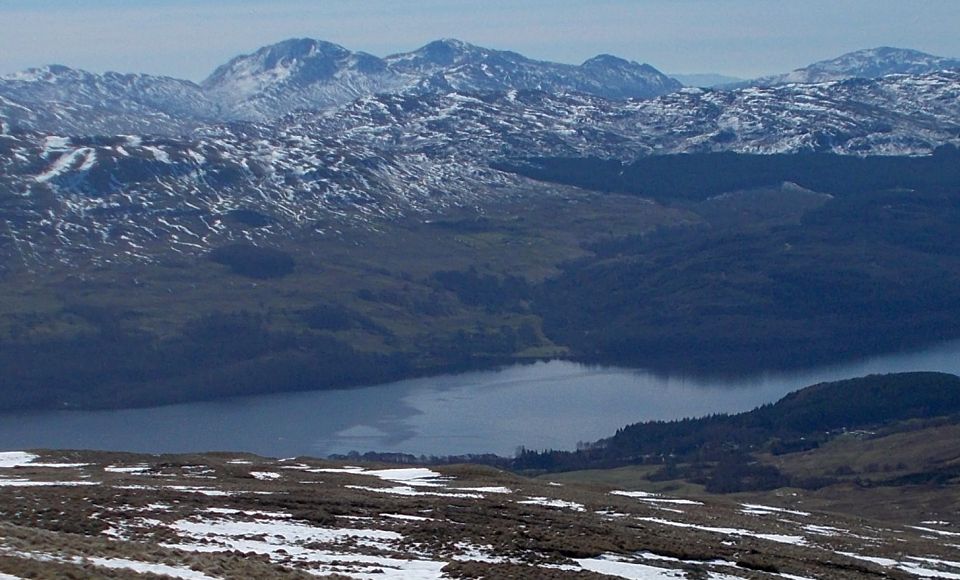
(544, 405)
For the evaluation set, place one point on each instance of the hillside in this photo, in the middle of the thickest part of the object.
(108, 515)
(798, 422)
(302, 299)
(790, 269)
(847, 445)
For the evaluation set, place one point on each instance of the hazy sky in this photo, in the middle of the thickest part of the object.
(189, 38)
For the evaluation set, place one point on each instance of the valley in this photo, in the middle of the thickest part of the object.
(455, 208)
(459, 224)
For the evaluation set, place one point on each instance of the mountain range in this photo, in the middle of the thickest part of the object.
(298, 74)
(310, 74)
(392, 154)
(314, 75)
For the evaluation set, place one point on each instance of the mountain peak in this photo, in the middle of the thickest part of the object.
(607, 60)
(890, 54)
(454, 43)
(891, 50)
(293, 62)
(50, 72)
(443, 52)
(295, 48)
(282, 55)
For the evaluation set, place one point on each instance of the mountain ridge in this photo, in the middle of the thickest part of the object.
(446, 64)
(299, 74)
(304, 74)
(866, 63)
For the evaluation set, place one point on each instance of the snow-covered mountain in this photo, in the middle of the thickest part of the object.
(297, 74)
(130, 166)
(468, 68)
(869, 64)
(893, 115)
(70, 101)
(312, 75)
(392, 155)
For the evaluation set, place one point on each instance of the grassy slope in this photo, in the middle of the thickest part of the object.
(400, 258)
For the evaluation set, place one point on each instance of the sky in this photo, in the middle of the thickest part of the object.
(744, 38)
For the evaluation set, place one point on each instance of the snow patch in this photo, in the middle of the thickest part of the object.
(780, 538)
(16, 458)
(302, 545)
(826, 530)
(85, 156)
(159, 154)
(554, 503)
(937, 532)
(201, 490)
(613, 565)
(10, 459)
(410, 491)
(654, 498)
(251, 513)
(923, 567)
(133, 469)
(32, 483)
(406, 517)
(757, 509)
(491, 489)
(149, 568)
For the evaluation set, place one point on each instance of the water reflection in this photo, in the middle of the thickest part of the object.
(544, 405)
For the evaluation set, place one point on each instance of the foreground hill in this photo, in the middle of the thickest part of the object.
(107, 515)
(802, 420)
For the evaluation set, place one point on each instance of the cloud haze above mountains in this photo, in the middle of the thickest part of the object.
(746, 38)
